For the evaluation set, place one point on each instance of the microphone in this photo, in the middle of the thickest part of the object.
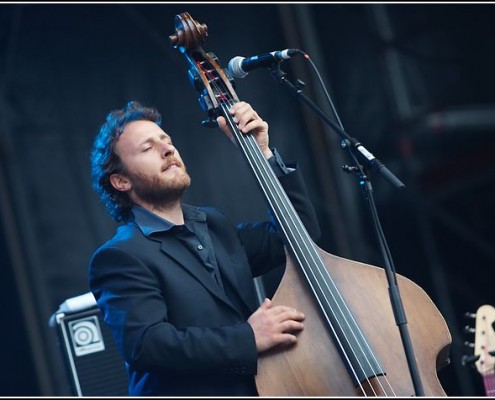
(240, 66)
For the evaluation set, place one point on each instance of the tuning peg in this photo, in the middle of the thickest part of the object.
(300, 84)
(468, 360)
(469, 344)
(470, 315)
(469, 329)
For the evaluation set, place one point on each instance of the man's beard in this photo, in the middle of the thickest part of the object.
(159, 192)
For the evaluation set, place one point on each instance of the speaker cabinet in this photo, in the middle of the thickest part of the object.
(95, 367)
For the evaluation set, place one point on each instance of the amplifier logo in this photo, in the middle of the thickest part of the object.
(86, 336)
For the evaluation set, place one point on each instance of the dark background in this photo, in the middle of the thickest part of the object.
(413, 82)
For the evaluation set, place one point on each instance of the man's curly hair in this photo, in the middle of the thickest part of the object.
(105, 161)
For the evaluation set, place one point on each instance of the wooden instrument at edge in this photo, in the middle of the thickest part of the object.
(484, 346)
(351, 344)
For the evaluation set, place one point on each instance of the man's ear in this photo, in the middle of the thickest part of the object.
(120, 182)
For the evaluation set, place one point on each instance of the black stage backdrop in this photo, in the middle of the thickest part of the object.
(413, 82)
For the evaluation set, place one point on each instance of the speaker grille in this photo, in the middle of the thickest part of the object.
(95, 365)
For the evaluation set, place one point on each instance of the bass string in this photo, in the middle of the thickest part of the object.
(295, 233)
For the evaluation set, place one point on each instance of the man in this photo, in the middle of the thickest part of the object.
(175, 283)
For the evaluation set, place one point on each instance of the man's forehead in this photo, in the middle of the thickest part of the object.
(143, 129)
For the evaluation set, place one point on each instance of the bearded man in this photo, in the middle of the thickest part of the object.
(175, 283)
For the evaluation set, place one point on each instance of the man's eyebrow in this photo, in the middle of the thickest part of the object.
(148, 140)
(151, 139)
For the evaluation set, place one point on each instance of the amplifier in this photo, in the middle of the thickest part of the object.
(95, 367)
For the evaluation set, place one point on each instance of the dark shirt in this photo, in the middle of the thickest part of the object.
(193, 234)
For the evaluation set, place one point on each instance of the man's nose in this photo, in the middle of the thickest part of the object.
(167, 149)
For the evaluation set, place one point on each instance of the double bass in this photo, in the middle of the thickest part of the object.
(350, 345)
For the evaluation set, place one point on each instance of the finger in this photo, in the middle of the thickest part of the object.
(286, 313)
(222, 123)
(267, 304)
(285, 339)
(243, 115)
(253, 125)
(291, 326)
(241, 105)
(284, 309)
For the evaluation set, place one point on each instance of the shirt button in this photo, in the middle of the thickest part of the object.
(200, 247)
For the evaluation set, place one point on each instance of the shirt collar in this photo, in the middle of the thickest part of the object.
(150, 223)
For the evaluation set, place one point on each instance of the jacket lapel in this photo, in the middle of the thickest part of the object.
(176, 250)
(229, 271)
(158, 230)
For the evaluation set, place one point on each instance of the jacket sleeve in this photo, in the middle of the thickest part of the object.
(134, 308)
(263, 242)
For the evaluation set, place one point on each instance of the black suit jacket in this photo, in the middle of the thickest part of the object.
(180, 333)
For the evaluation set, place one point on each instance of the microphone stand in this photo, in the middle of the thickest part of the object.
(354, 145)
